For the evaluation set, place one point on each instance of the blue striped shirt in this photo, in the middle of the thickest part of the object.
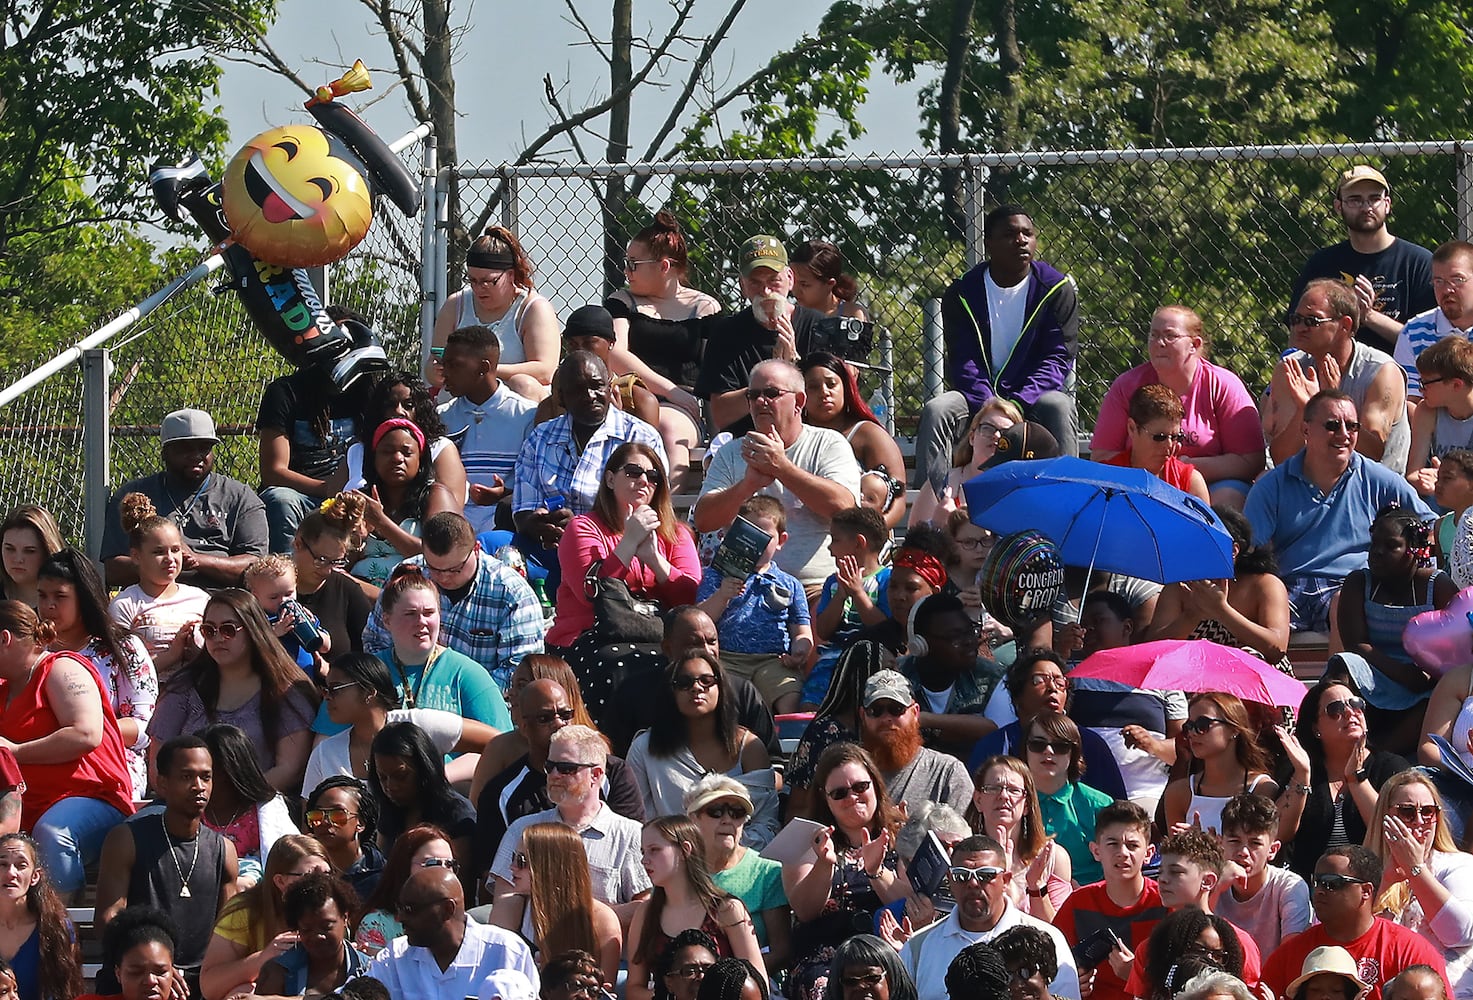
(1421, 332)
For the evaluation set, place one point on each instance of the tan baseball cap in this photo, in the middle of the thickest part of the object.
(1361, 172)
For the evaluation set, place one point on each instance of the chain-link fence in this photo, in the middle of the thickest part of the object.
(198, 349)
(1223, 230)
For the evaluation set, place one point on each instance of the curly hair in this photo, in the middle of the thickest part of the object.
(312, 892)
(381, 406)
(59, 973)
(691, 937)
(141, 519)
(133, 926)
(340, 516)
(1025, 946)
(726, 979)
(1175, 939)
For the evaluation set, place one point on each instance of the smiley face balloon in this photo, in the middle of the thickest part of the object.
(295, 196)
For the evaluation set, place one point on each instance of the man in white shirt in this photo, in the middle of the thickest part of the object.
(576, 758)
(980, 885)
(443, 955)
(486, 420)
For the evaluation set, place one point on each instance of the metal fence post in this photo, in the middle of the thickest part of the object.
(934, 358)
(887, 378)
(975, 193)
(1463, 154)
(429, 304)
(510, 202)
(96, 444)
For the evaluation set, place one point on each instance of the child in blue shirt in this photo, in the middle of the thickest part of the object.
(762, 622)
(852, 598)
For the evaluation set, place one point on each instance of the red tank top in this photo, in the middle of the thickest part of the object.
(101, 773)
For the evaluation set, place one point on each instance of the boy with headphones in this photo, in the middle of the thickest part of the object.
(952, 681)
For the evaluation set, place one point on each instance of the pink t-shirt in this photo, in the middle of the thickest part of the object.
(1220, 419)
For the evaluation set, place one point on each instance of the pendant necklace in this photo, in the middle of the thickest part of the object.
(184, 892)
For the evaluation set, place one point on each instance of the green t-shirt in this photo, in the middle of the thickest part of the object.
(1069, 817)
(758, 883)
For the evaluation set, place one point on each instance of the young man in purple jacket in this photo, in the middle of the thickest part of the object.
(1011, 326)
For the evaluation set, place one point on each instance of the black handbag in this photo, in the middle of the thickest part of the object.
(619, 615)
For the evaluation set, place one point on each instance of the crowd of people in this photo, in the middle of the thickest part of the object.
(457, 701)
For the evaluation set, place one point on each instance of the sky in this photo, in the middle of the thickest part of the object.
(504, 54)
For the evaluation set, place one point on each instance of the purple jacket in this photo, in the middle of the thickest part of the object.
(1044, 354)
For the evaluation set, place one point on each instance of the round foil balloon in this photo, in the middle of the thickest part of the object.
(1021, 578)
(296, 197)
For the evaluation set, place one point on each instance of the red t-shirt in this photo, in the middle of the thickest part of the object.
(101, 773)
(1176, 472)
(1252, 964)
(1380, 953)
(1089, 908)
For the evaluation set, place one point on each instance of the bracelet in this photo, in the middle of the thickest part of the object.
(872, 876)
(1301, 789)
(1038, 893)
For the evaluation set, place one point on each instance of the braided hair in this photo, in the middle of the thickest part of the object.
(691, 937)
(977, 971)
(726, 979)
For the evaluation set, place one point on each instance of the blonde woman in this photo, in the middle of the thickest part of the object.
(1427, 884)
(975, 451)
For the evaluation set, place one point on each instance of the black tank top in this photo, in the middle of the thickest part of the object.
(156, 881)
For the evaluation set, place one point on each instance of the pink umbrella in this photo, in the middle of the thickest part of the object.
(1194, 665)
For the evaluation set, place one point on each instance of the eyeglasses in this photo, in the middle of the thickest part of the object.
(322, 562)
(567, 768)
(1003, 791)
(1364, 201)
(982, 876)
(1409, 812)
(1350, 426)
(551, 715)
(1432, 381)
(519, 859)
(1040, 744)
(729, 811)
(1202, 724)
(842, 792)
(772, 393)
(866, 982)
(331, 690)
(1313, 322)
(695, 970)
(335, 816)
(631, 264)
(685, 682)
(1333, 882)
(225, 630)
(451, 571)
(495, 278)
(967, 637)
(1023, 973)
(632, 471)
(1049, 681)
(990, 429)
(412, 909)
(1199, 950)
(972, 543)
(1165, 338)
(1335, 709)
(1456, 281)
(1160, 436)
(881, 709)
(314, 871)
(450, 863)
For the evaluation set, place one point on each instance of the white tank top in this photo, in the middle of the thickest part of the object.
(508, 328)
(1458, 735)
(1209, 807)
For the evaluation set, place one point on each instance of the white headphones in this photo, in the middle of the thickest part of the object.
(916, 645)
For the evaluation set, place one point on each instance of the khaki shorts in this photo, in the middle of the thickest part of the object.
(766, 672)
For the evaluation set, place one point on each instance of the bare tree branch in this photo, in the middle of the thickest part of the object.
(577, 19)
(395, 36)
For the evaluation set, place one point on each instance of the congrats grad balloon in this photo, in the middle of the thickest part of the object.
(1022, 578)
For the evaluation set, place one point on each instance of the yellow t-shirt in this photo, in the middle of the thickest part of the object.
(234, 926)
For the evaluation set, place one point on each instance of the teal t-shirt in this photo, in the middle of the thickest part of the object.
(758, 883)
(455, 683)
(1069, 817)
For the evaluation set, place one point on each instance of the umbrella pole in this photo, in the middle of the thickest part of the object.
(1079, 615)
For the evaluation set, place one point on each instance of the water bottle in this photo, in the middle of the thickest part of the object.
(877, 405)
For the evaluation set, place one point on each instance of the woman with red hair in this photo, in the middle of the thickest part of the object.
(834, 402)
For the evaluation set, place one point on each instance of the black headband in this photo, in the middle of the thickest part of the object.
(502, 260)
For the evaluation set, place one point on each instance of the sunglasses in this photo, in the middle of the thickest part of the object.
(331, 690)
(866, 982)
(633, 471)
(844, 791)
(881, 709)
(1334, 426)
(772, 393)
(1202, 724)
(552, 715)
(567, 768)
(225, 630)
(335, 816)
(696, 970)
(1313, 322)
(1040, 744)
(1334, 883)
(450, 863)
(519, 859)
(684, 682)
(732, 811)
(1409, 812)
(1160, 436)
(982, 876)
(1335, 709)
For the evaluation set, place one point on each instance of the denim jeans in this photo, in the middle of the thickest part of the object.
(70, 836)
(285, 508)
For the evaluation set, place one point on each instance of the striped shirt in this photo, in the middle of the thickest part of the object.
(1421, 332)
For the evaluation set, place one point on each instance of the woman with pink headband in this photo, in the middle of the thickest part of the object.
(401, 492)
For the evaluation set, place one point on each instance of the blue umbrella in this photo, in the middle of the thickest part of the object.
(1123, 520)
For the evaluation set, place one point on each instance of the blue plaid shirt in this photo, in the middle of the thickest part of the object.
(497, 623)
(550, 464)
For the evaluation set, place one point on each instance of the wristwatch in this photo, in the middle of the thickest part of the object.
(1364, 774)
(1038, 893)
(1416, 870)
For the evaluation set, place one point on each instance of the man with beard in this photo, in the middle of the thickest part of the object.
(444, 955)
(576, 760)
(891, 732)
(562, 461)
(1390, 277)
(1452, 285)
(980, 882)
(521, 788)
(170, 860)
(222, 520)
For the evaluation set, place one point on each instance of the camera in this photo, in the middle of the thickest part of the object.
(845, 336)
